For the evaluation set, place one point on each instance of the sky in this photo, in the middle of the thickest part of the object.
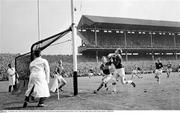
(19, 19)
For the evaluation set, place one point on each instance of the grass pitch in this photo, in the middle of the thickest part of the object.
(148, 95)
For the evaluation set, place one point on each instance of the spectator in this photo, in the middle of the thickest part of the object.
(11, 77)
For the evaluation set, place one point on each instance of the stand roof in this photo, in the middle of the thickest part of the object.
(100, 22)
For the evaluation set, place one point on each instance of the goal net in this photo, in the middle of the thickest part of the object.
(22, 61)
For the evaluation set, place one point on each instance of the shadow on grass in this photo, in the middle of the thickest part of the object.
(20, 108)
(12, 93)
(14, 103)
(55, 96)
(4, 92)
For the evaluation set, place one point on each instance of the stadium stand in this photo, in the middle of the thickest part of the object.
(178, 40)
(89, 35)
(107, 37)
(144, 37)
(138, 40)
(163, 41)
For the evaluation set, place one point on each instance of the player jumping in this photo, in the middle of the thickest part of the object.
(119, 72)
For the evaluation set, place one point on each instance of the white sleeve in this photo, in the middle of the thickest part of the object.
(47, 70)
(14, 71)
(11, 72)
(101, 72)
(110, 55)
(8, 72)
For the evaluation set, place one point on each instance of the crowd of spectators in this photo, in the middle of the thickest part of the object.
(163, 40)
(112, 38)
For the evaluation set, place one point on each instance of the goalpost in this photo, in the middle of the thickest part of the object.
(23, 61)
(74, 47)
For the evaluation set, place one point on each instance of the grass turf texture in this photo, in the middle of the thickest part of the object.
(147, 95)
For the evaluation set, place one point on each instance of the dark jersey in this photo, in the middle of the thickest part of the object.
(60, 70)
(105, 68)
(158, 65)
(90, 71)
(138, 68)
(168, 65)
(117, 61)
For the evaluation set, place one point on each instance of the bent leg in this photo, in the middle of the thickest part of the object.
(123, 81)
(54, 85)
(100, 86)
(26, 100)
(63, 81)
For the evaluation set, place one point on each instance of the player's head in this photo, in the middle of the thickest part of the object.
(118, 51)
(37, 53)
(104, 59)
(9, 65)
(60, 62)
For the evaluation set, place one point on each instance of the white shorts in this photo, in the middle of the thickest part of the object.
(61, 79)
(179, 70)
(12, 80)
(91, 74)
(134, 72)
(158, 72)
(107, 78)
(119, 73)
(58, 79)
(169, 70)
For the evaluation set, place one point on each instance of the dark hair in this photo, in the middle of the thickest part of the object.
(37, 53)
(119, 50)
(60, 61)
(57, 70)
(9, 65)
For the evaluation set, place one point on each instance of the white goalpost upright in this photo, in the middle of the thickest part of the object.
(74, 49)
(38, 21)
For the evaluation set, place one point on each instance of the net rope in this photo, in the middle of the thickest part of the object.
(22, 61)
